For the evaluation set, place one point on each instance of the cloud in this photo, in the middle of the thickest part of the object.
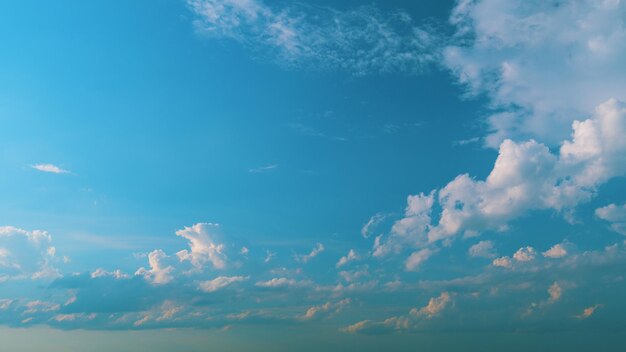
(482, 249)
(326, 309)
(542, 64)
(351, 256)
(526, 176)
(614, 214)
(361, 40)
(305, 258)
(49, 168)
(203, 248)
(556, 251)
(159, 273)
(261, 169)
(587, 312)
(371, 224)
(221, 282)
(412, 322)
(525, 254)
(416, 259)
(27, 255)
(283, 282)
(434, 307)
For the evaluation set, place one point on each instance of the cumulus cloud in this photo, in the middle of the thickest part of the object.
(221, 282)
(543, 64)
(616, 215)
(202, 246)
(526, 176)
(158, 273)
(360, 40)
(49, 168)
(556, 251)
(27, 254)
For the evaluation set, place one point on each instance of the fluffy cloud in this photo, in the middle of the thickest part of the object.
(541, 63)
(556, 251)
(360, 40)
(27, 254)
(526, 176)
(158, 273)
(202, 246)
(616, 215)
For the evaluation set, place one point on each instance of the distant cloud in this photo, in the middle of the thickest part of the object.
(351, 256)
(261, 169)
(49, 168)
(416, 259)
(305, 258)
(482, 249)
(361, 40)
(371, 224)
(616, 215)
(587, 312)
(221, 282)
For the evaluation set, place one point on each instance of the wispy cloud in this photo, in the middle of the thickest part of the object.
(361, 40)
(49, 168)
(261, 169)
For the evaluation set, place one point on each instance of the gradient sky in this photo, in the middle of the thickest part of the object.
(262, 175)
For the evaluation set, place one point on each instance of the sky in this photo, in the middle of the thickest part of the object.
(260, 175)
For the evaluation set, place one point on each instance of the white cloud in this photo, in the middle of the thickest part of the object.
(404, 323)
(49, 168)
(159, 273)
(203, 249)
(360, 40)
(556, 251)
(555, 291)
(351, 256)
(221, 282)
(328, 308)
(526, 176)
(283, 282)
(504, 262)
(525, 254)
(416, 259)
(482, 249)
(434, 307)
(371, 224)
(616, 215)
(261, 169)
(542, 64)
(305, 258)
(27, 254)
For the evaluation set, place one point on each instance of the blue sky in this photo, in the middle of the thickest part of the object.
(381, 174)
